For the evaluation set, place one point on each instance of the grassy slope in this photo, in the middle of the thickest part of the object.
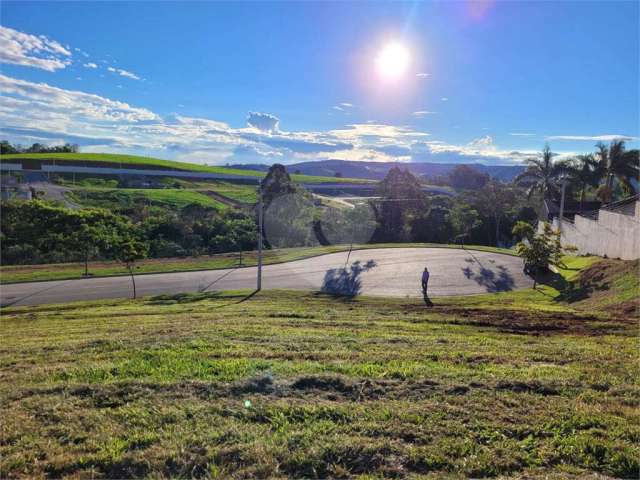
(64, 271)
(302, 385)
(175, 197)
(137, 160)
(240, 193)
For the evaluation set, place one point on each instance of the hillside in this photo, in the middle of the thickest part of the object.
(293, 385)
(138, 162)
(377, 170)
(608, 285)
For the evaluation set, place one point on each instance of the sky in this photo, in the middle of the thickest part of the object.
(265, 82)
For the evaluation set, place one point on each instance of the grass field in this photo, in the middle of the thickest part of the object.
(134, 160)
(65, 271)
(304, 385)
(110, 198)
(239, 193)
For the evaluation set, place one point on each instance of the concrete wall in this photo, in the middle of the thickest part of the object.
(614, 234)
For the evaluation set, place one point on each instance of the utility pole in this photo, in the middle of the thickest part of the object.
(260, 222)
(564, 186)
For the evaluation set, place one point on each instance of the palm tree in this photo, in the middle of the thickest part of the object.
(583, 172)
(541, 175)
(619, 163)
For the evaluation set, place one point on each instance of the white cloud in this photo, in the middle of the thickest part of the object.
(73, 103)
(423, 75)
(444, 99)
(264, 122)
(45, 113)
(32, 51)
(124, 73)
(343, 107)
(523, 134)
(90, 65)
(482, 143)
(422, 113)
(593, 138)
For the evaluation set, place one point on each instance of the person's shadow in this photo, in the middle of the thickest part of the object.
(427, 300)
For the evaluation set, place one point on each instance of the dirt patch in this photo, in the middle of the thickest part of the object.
(607, 269)
(316, 387)
(527, 387)
(526, 322)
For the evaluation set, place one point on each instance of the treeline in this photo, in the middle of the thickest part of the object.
(483, 211)
(483, 216)
(38, 232)
(608, 174)
(8, 148)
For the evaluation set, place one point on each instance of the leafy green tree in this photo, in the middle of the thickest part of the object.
(541, 175)
(276, 183)
(93, 232)
(582, 173)
(6, 148)
(463, 218)
(467, 178)
(616, 162)
(495, 200)
(539, 250)
(402, 203)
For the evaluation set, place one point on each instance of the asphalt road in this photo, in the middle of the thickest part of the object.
(385, 272)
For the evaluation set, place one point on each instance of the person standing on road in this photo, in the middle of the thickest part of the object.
(425, 280)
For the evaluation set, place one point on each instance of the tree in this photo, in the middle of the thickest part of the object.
(616, 162)
(402, 202)
(94, 231)
(6, 148)
(129, 250)
(277, 182)
(463, 219)
(541, 175)
(539, 250)
(494, 200)
(467, 178)
(582, 172)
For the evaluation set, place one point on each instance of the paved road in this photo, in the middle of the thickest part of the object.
(386, 272)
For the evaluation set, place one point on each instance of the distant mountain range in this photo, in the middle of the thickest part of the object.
(377, 170)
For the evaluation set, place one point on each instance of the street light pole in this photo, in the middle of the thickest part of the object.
(260, 222)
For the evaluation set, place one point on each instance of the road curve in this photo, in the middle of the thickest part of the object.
(384, 272)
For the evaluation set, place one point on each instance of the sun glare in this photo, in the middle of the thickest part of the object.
(393, 61)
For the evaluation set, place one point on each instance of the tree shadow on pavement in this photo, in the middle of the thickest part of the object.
(346, 282)
(498, 280)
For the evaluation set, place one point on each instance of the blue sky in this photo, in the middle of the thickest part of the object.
(298, 81)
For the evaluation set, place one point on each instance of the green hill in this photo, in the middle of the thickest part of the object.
(133, 161)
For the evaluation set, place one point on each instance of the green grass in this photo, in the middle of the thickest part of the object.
(298, 385)
(239, 193)
(65, 271)
(134, 160)
(564, 292)
(113, 198)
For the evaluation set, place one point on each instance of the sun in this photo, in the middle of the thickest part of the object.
(393, 61)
